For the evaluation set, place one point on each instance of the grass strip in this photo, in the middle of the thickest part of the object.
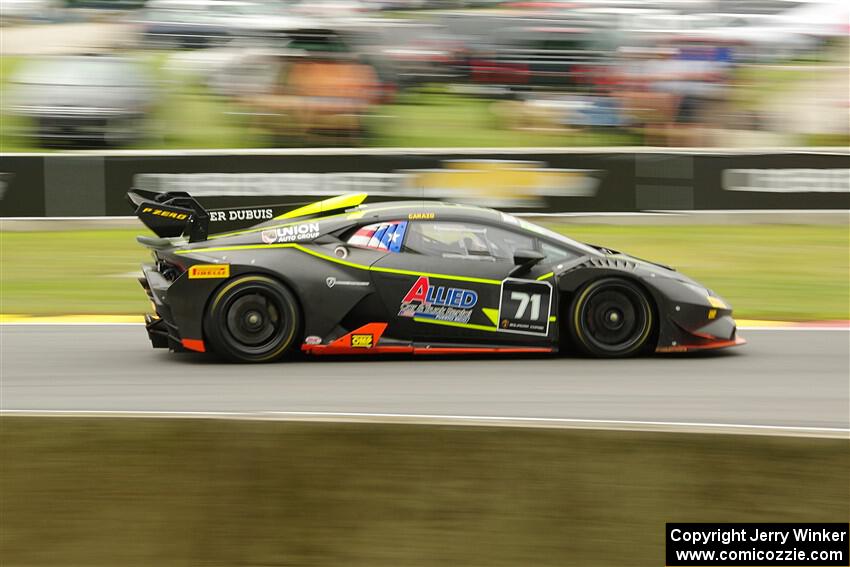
(141, 492)
(793, 272)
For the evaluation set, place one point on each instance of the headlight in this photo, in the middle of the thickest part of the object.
(712, 299)
(700, 290)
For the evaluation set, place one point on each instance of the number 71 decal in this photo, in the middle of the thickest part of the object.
(525, 306)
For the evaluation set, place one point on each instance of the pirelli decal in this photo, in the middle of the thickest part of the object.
(209, 271)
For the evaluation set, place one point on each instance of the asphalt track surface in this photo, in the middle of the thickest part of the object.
(781, 378)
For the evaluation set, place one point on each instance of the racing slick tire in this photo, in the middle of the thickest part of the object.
(612, 318)
(252, 318)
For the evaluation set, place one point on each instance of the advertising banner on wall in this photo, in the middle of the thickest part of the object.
(57, 185)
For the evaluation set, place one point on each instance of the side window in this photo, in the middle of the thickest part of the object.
(465, 241)
(555, 253)
(380, 236)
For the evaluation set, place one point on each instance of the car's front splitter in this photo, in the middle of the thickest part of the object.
(708, 344)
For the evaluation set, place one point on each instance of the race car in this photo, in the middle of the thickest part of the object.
(342, 277)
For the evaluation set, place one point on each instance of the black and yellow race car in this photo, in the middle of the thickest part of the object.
(341, 277)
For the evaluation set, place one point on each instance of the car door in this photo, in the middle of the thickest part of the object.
(451, 282)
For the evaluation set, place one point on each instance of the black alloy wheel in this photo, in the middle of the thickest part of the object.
(253, 319)
(612, 318)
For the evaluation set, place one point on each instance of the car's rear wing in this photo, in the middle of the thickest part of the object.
(176, 213)
(170, 214)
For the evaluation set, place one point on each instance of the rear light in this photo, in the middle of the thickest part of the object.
(169, 270)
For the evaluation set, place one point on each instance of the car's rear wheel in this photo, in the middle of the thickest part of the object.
(252, 319)
(612, 318)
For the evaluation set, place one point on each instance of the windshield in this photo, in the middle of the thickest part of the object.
(550, 234)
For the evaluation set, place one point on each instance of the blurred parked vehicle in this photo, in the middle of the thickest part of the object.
(341, 9)
(182, 24)
(27, 11)
(208, 23)
(540, 56)
(82, 100)
(412, 53)
(751, 73)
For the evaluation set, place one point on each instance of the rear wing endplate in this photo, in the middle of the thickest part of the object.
(171, 214)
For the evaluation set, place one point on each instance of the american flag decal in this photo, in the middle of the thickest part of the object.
(380, 236)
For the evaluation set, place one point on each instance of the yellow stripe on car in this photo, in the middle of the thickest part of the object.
(350, 216)
(345, 201)
(338, 261)
(492, 314)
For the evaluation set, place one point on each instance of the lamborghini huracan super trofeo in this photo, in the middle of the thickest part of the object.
(342, 277)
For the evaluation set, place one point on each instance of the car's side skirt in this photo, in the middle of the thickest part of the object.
(367, 340)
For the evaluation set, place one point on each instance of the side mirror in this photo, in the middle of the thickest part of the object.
(525, 260)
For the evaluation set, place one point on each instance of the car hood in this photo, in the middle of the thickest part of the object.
(648, 266)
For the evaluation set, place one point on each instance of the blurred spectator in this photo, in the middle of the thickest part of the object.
(315, 98)
(674, 93)
(694, 78)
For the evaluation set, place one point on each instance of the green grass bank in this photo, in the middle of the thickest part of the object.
(796, 272)
(142, 492)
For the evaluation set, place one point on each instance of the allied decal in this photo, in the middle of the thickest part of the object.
(209, 271)
(525, 306)
(303, 231)
(441, 303)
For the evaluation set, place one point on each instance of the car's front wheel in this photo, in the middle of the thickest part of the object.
(611, 318)
(252, 319)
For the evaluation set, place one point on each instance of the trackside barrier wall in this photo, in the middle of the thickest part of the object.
(544, 181)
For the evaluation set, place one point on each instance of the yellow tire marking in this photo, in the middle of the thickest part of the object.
(576, 321)
(243, 279)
